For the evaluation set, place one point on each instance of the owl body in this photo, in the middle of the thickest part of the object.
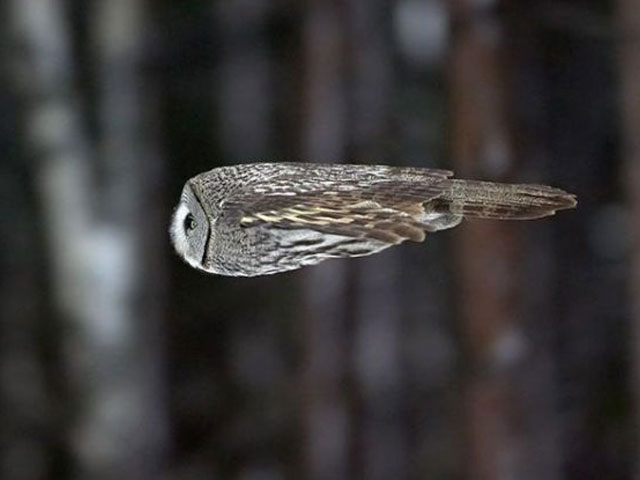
(265, 218)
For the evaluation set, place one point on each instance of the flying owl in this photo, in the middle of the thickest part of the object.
(265, 218)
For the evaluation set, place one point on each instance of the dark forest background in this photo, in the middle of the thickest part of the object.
(493, 351)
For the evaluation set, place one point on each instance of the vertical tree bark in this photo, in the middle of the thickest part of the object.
(245, 79)
(245, 96)
(326, 408)
(486, 252)
(27, 401)
(628, 14)
(382, 448)
(535, 381)
(110, 316)
(126, 334)
(41, 77)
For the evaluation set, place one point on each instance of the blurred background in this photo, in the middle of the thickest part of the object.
(493, 351)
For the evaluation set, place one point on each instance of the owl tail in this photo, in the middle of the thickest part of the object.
(503, 201)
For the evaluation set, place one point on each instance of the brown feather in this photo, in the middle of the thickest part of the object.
(502, 201)
(361, 202)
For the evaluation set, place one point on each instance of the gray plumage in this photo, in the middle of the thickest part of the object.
(264, 218)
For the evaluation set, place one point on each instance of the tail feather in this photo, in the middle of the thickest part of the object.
(502, 201)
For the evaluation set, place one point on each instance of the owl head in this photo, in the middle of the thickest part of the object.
(190, 229)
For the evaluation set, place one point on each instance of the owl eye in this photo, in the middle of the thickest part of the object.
(190, 223)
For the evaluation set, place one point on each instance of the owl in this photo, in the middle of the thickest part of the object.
(265, 218)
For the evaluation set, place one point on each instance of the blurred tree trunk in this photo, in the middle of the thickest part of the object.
(326, 408)
(245, 93)
(102, 237)
(629, 66)
(488, 257)
(42, 78)
(535, 378)
(132, 392)
(381, 449)
(245, 79)
(27, 401)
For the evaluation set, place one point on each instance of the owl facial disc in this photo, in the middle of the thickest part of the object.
(190, 229)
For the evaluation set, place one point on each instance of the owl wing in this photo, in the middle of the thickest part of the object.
(381, 203)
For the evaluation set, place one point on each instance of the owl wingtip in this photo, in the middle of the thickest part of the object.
(572, 200)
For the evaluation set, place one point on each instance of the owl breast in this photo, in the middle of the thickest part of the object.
(300, 247)
(261, 251)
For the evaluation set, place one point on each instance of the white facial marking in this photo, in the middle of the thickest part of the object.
(179, 235)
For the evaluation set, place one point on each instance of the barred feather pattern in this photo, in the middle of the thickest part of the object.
(267, 218)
